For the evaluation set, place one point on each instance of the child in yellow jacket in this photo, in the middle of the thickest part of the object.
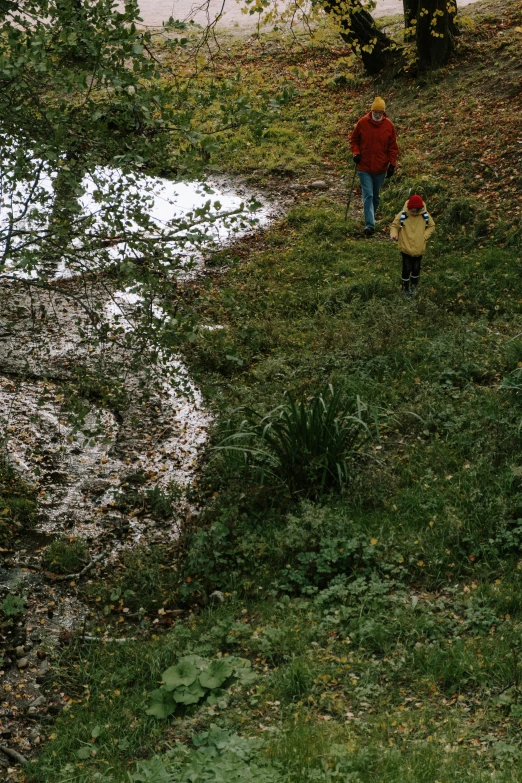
(411, 228)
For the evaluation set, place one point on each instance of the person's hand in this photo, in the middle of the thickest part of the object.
(395, 239)
(356, 159)
(391, 171)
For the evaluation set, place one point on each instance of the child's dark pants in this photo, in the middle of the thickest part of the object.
(410, 271)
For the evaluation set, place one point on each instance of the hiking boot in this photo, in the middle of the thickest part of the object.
(368, 231)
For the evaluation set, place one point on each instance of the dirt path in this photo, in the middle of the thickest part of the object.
(154, 12)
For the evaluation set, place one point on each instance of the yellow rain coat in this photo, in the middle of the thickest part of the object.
(412, 230)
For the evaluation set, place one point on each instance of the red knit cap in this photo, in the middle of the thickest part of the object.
(415, 202)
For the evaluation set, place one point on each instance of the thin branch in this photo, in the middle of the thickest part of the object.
(82, 572)
(109, 639)
(13, 754)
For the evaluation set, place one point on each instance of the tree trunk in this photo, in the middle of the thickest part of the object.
(435, 33)
(411, 10)
(358, 28)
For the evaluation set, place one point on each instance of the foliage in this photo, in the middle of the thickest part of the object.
(65, 555)
(87, 102)
(312, 445)
(18, 508)
(144, 581)
(428, 39)
(157, 502)
(386, 620)
(12, 605)
(195, 681)
(218, 756)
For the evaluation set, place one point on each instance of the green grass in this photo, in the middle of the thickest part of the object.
(66, 555)
(143, 581)
(335, 691)
(384, 618)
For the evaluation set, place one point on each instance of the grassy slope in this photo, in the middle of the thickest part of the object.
(387, 621)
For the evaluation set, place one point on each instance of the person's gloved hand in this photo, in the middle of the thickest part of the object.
(391, 171)
(356, 159)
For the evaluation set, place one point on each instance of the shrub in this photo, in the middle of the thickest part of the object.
(146, 580)
(65, 555)
(217, 755)
(17, 500)
(12, 605)
(311, 446)
(195, 680)
(157, 502)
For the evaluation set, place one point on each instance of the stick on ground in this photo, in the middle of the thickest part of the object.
(13, 754)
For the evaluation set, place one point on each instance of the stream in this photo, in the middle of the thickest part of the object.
(81, 474)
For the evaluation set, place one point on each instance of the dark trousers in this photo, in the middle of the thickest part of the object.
(410, 271)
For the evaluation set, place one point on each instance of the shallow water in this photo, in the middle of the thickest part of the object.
(40, 441)
(183, 219)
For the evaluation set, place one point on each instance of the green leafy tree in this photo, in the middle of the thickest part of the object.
(357, 27)
(88, 101)
(430, 27)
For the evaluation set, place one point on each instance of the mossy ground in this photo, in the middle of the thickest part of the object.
(385, 621)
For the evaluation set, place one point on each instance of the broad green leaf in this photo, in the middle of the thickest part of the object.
(238, 663)
(215, 675)
(181, 674)
(152, 771)
(246, 676)
(219, 737)
(189, 695)
(214, 697)
(195, 660)
(162, 704)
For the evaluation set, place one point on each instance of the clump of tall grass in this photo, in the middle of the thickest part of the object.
(310, 445)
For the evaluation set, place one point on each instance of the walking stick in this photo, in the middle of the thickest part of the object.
(351, 194)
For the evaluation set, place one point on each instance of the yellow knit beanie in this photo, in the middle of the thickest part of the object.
(378, 105)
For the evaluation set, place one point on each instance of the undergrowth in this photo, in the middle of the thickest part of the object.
(381, 614)
(18, 508)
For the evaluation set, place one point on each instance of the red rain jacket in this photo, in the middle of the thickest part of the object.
(376, 143)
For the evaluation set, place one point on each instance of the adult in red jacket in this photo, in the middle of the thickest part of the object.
(374, 149)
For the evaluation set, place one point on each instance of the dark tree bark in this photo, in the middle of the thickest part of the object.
(435, 32)
(411, 10)
(358, 28)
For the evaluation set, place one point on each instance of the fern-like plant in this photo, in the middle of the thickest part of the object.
(310, 445)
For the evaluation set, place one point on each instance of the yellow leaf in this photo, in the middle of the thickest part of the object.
(518, 29)
(374, 541)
